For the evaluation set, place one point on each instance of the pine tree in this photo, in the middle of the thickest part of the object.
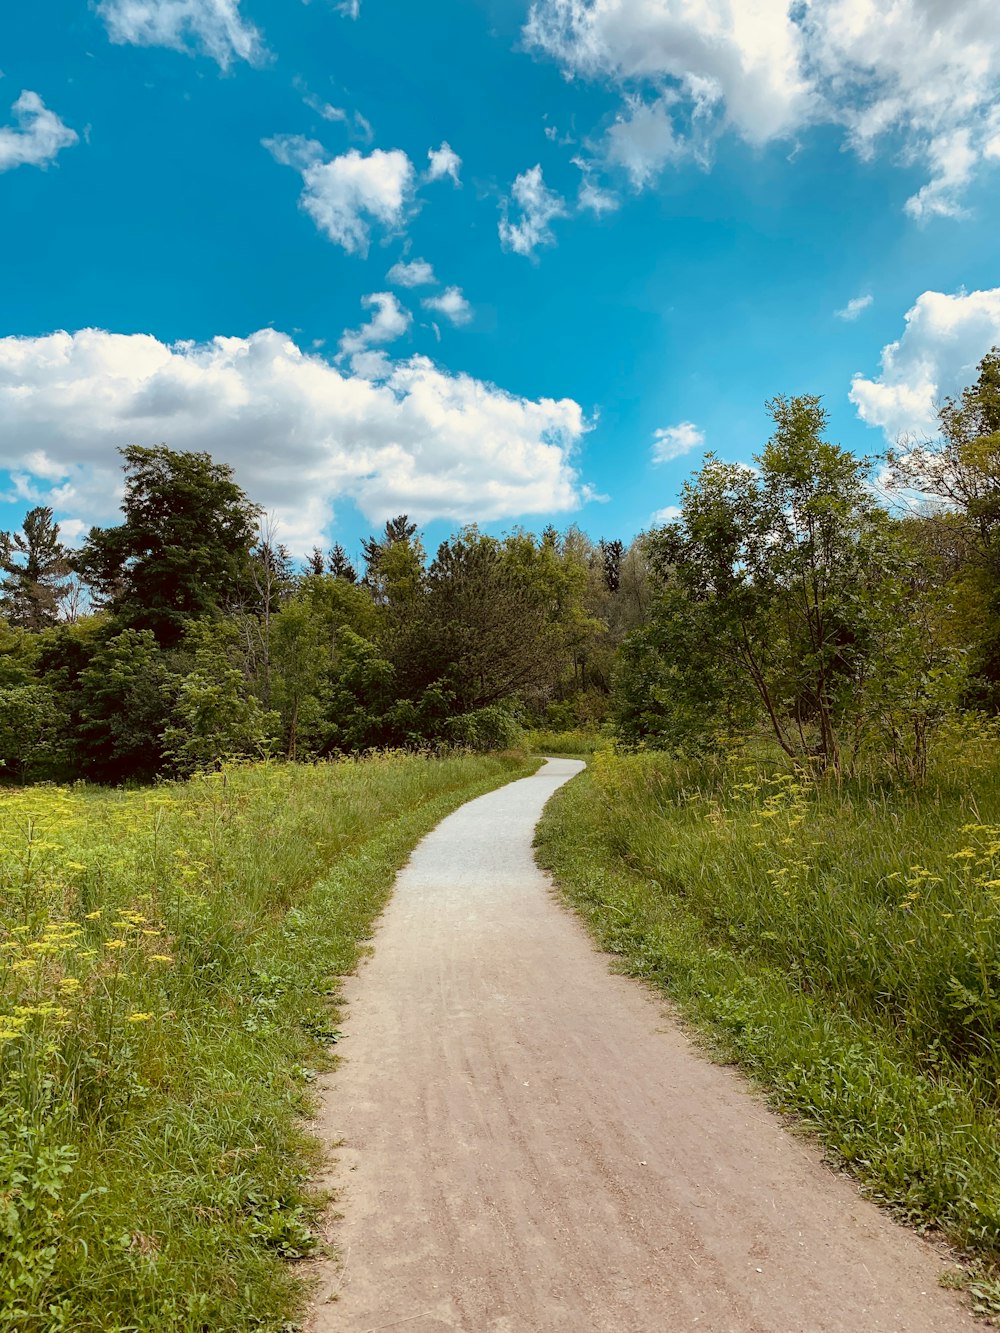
(340, 566)
(35, 571)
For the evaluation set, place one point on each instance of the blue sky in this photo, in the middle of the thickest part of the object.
(642, 218)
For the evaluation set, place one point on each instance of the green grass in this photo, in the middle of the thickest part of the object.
(169, 964)
(576, 744)
(841, 943)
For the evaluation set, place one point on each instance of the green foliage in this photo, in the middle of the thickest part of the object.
(171, 964)
(216, 716)
(123, 699)
(32, 731)
(840, 940)
(789, 587)
(491, 728)
(35, 570)
(183, 550)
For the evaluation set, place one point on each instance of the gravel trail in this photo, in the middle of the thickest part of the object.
(528, 1143)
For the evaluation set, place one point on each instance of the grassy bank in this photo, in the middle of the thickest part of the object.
(842, 943)
(168, 963)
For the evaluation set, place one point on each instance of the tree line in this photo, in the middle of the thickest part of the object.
(799, 598)
(186, 633)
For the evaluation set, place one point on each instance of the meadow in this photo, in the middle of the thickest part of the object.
(169, 964)
(840, 940)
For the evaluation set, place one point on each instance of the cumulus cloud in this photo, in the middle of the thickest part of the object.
(923, 73)
(539, 207)
(412, 273)
(452, 304)
(215, 27)
(346, 195)
(855, 306)
(936, 356)
(300, 433)
(37, 136)
(389, 322)
(443, 161)
(669, 514)
(670, 442)
(643, 140)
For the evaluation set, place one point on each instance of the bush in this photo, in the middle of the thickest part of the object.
(492, 728)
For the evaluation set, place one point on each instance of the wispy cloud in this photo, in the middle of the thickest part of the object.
(855, 306)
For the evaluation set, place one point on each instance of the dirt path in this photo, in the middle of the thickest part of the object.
(531, 1145)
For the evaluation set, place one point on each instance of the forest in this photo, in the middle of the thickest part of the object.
(844, 607)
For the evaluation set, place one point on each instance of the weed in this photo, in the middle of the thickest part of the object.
(169, 964)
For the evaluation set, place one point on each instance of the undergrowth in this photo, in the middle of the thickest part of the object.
(168, 976)
(841, 942)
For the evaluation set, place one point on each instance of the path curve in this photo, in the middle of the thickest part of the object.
(529, 1144)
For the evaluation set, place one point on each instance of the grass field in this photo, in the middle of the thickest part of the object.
(168, 970)
(841, 942)
(577, 744)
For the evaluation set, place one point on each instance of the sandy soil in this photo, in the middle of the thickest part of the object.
(528, 1142)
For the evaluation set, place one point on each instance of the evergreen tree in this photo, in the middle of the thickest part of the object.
(340, 566)
(35, 571)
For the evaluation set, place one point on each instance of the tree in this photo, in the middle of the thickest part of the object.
(794, 577)
(481, 627)
(124, 705)
(35, 569)
(216, 715)
(184, 548)
(32, 733)
(394, 562)
(340, 566)
(612, 554)
(960, 470)
(306, 638)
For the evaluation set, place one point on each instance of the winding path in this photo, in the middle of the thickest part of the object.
(528, 1143)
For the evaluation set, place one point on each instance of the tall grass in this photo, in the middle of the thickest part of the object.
(167, 963)
(841, 941)
(576, 742)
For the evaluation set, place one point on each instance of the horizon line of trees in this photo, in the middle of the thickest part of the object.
(785, 600)
(185, 634)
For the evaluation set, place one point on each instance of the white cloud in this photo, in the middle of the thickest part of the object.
(936, 356)
(300, 432)
(389, 322)
(360, 127)
(215, 27)
(412, 273)
(345, 195)
(923, 73)
(350, 8)
(444, 161)
(669, 514)
(593, 198)
(671, 442)
(642, 140)
(539, 207)
(38, 136)
(855, 306)
(452, 304)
